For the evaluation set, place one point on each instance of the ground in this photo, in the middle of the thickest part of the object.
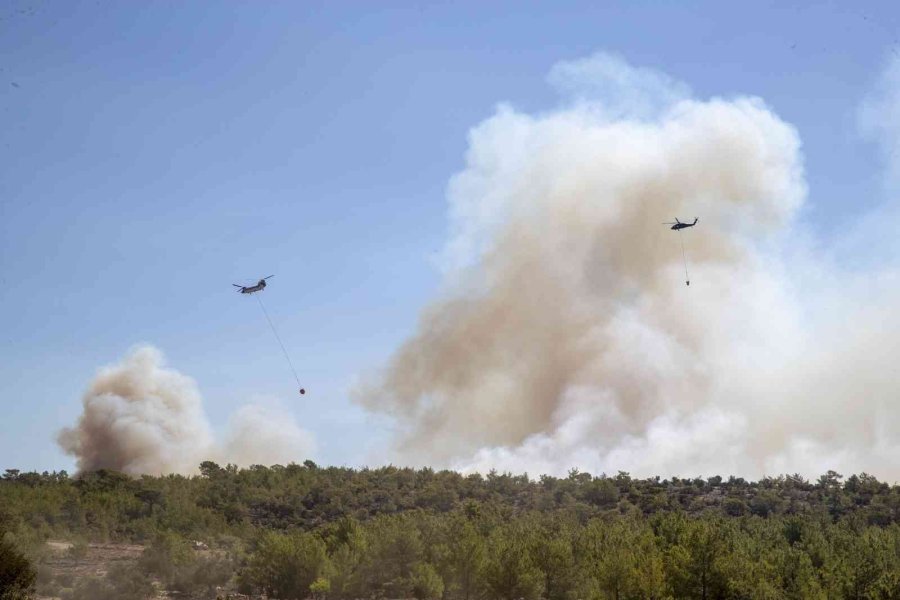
(59, 565)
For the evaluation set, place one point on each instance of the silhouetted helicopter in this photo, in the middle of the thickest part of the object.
(679, 225)
(249, 289)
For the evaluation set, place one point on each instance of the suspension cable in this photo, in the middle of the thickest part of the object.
(280, 343)
(687, 278)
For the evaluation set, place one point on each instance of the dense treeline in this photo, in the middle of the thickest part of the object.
(463, 555)
(112, 506)
(300, 530)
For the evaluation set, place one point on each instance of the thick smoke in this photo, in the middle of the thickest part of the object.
(264, 435)
(142, 418)
(567, 337)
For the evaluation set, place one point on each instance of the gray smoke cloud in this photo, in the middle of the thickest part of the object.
(140, 417)
(566, 337)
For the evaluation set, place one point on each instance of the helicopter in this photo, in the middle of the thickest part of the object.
(679, 225)
(260, 286)
(249, 289)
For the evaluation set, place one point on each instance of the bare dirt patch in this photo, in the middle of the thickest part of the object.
(65, 566)
(95, 563)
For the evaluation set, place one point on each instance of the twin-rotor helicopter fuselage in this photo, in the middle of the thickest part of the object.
(249, 289)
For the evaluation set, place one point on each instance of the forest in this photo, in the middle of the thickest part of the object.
(304, 531)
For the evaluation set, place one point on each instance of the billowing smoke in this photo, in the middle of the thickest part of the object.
(566, 336)
(142, 418)
(264, 435)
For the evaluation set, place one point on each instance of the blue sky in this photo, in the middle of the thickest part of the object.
(154, 153)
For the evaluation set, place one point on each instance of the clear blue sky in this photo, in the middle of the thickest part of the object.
(153, 153)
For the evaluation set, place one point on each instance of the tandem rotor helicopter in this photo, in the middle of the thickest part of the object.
(249, 289)
(260, 286)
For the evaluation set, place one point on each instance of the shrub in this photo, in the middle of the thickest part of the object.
(166, 556)
(121, 583)
(426, 583)
(17, 576)
(203, 573)
(285, 566)
(78, 550)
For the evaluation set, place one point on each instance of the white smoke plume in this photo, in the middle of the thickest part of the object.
(264, 435)
(566, 336)
(142, 418)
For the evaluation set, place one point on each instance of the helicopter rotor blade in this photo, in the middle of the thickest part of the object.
(268, 277)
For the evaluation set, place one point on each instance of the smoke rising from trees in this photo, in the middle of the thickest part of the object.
(140, 417)
(566, 337)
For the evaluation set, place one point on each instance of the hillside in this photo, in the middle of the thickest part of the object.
(301, 530)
